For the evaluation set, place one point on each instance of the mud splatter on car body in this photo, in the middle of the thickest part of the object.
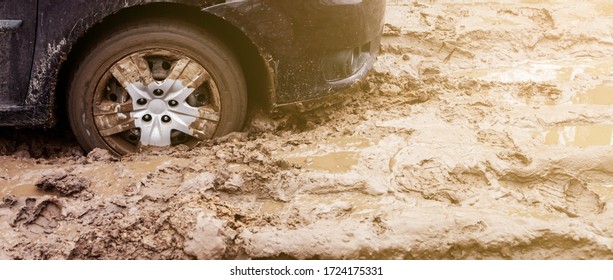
(287, 47)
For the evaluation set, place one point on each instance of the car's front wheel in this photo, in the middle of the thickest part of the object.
(155, 83)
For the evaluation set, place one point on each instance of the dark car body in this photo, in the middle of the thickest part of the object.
(292, 50)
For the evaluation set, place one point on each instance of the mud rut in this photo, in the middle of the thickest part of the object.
(484, 131)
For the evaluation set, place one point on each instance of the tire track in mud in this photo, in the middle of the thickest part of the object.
(443, 153)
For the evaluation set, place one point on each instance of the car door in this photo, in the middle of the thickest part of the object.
(17, 35)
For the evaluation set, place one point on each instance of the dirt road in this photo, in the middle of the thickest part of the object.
(484, 132)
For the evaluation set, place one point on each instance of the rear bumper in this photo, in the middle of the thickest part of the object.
(313, 48)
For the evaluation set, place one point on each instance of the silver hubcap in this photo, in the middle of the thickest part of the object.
(157, 98)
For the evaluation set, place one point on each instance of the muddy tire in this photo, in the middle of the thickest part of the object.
(155, 83)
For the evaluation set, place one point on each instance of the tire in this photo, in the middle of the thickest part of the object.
(155, 83)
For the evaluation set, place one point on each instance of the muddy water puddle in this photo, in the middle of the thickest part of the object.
(580, 136)
(337, 155)
(22, 190)
(336, 162)
(599, 95)
(19, 177)
(581, 82)
(106, 179)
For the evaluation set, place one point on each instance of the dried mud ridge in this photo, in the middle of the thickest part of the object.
(480, 134)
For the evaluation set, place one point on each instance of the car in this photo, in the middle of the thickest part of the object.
(137, 73)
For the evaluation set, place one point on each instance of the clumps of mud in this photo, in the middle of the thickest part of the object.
(8, 201)
(443, 164)
(100, 155)
(63, 183)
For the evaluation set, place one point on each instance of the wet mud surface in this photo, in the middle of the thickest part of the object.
(484, 132)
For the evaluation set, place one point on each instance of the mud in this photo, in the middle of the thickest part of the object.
(63, 183)
(484, 132)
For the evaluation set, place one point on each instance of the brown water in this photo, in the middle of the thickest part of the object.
(595, 87)
(336, 162)
(337, 155)
(14, 182)
(580, 136)
(599, 95)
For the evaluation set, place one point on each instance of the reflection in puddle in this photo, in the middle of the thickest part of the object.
(21, 191)
(337, 162)
(336, 155)
(566, 74)
(580, 136)
(271, 207)
(599, 95)
(349, 142)
(569, 77)
(19, 178)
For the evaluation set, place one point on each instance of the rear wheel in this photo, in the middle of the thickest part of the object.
(155, 84)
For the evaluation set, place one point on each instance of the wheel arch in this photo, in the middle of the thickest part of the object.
(258, 73)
